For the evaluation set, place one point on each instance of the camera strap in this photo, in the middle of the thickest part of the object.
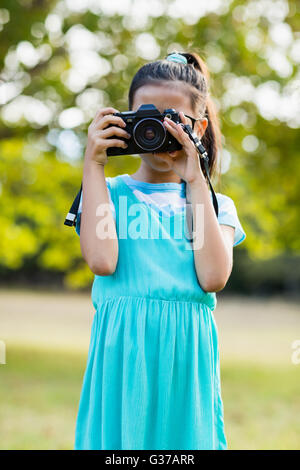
(203, 154)
(71, 217)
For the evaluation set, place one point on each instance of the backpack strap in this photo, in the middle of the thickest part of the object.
(71, 216)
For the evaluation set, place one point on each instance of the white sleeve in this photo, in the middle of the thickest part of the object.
(77, 227)
(228, 216)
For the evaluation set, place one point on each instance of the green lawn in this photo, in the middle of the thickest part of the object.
(40, 389)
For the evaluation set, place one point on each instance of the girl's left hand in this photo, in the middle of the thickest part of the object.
(185, 162)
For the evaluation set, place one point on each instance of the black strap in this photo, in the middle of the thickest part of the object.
(215, 202)
(203, 154)
(71, 217)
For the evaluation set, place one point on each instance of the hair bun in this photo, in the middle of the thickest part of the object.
(191, 60)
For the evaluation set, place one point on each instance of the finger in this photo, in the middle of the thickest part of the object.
(109, 131)
(182, 133)
(113, 143)
(176, 130)
(103, 121)
(104, 111)
(170, 125)
(181, 136)
(183, 118)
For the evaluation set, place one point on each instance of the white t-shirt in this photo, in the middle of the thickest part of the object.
(170, 198)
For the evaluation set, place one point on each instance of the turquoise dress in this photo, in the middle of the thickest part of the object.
(152, 379)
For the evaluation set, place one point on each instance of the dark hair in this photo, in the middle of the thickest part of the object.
(194, 73)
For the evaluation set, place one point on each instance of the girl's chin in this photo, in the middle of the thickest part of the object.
(157, 162)
(155, 154)
(158, 157)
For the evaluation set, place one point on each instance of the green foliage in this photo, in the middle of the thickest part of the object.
(39, 180)
(35, 194)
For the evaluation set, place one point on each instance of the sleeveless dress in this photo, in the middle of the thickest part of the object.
(152, 379)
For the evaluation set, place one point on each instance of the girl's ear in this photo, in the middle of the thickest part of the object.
(200, 127)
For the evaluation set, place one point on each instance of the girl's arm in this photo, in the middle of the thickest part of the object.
(213, 260)
(98, 237)
(100, 254)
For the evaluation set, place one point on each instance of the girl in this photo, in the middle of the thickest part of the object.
(152, 379)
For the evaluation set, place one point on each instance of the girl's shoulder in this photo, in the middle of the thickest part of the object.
(115, 183)
(115, 187)
(228, 216)
(111, 180)
(225, 202)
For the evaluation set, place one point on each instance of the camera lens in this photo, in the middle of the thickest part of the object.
(149, 134)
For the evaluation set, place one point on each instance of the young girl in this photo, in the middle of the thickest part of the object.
(152, 379)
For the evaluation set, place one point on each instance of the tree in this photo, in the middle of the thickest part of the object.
(60, 61)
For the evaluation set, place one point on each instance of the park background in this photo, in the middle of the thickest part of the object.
(60, 61)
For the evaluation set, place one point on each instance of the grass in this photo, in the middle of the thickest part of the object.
(39, 395)
(261, 405)
(40, 389)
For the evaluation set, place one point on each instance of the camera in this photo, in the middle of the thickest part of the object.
(147, 131)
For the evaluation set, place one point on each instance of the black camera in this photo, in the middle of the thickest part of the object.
(148, 134)
(147, 131)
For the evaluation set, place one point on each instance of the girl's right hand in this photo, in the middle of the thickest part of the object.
(98, 132)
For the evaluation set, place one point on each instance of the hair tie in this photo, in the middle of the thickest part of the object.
(177, 57)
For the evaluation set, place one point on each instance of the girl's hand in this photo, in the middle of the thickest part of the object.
(98, 132)
(185, 162)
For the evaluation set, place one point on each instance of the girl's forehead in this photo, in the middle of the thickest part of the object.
(163, 96)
